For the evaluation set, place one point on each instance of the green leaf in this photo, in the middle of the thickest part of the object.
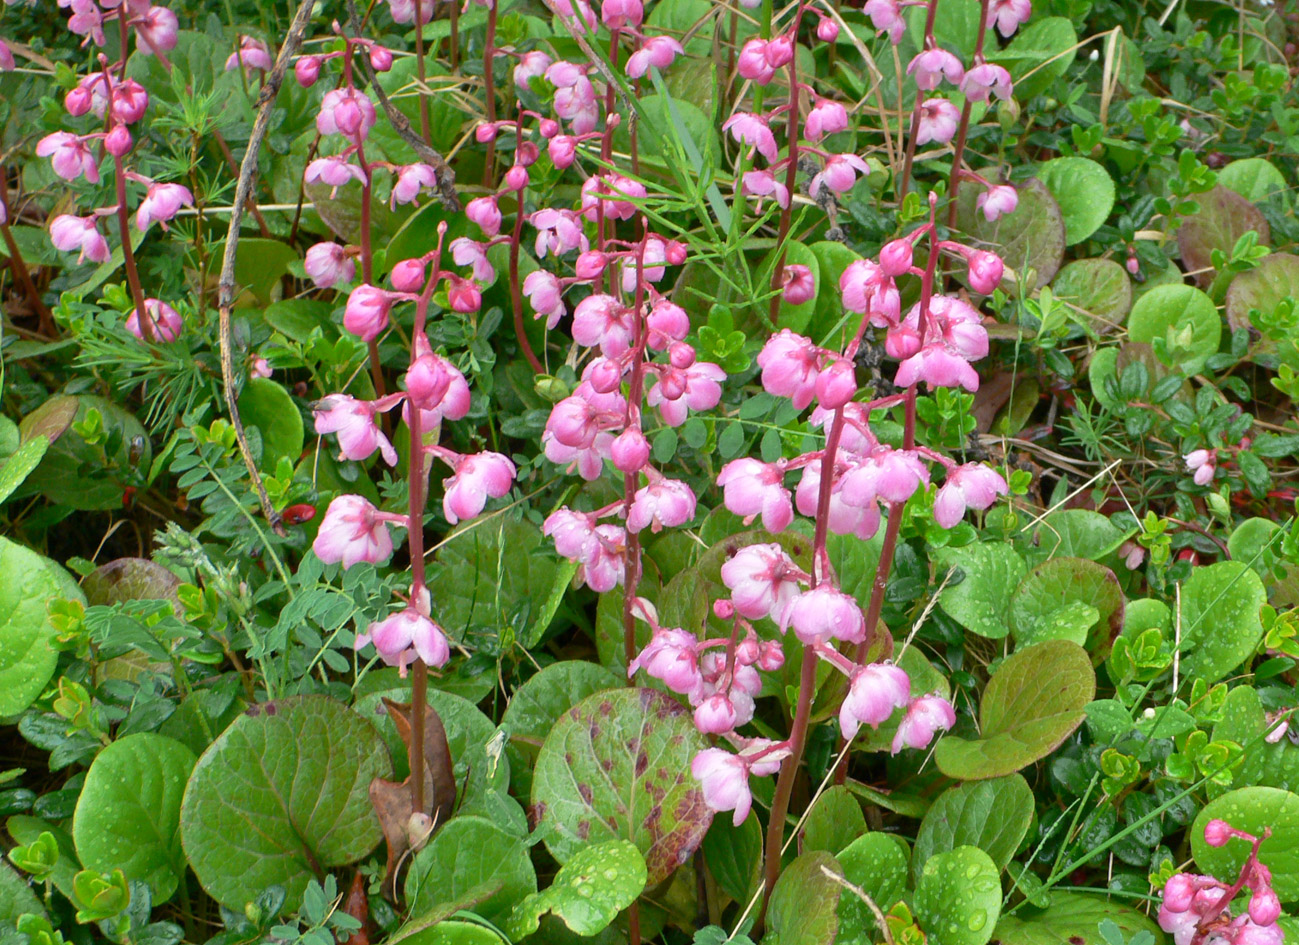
(734, 856)
(981, 602)
(267, 405)
(1253, 809)
(16, 897)
(259, 266)
(1088, 590)
(617, 766)
(1033, 236)
(1100, 288)
(958, 897)
(126, 579)
(1220, 626)
(26, 830)
(1223, 217)
(804, 902)
(834, 821)
(465, 724)
(1073, 919)
(28, 583)
(471, 852)
(993, 815)
(1275, 280)
(1039, 55)
(564, 573)
(280, 797)
(1243, 722)
(1082, 188)
(128, 814)
(1256, 179)
(598, 882)
(1183, 314)
(454, 932)
(297, 319)
(1033, 702)
(73, 472)
(876, 863)
(20, 464)
(537, 705)
(1079, 533)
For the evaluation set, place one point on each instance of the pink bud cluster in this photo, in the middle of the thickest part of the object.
(1196, 909)
(155, 27)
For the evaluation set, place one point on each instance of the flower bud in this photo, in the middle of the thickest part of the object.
(724, 609)
(1217, 833)
(527, 154)
(118, 141)
(78, 101)
(605, 375)
(516, 178)
(408, 275)
(548, 128)
(485, 132)
(895, 257)
(307, 71)
(827, 31)
(630, 450)
(464, 296)
(780, 51)
(681, 355)
(380, 59)
(590, 264)
(985, 271)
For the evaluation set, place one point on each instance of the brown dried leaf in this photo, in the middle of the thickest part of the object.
(358, 907)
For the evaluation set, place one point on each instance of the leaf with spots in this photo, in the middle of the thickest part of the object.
(1033, 702)
(1253, 810)
(958, 897)
(128, 814)
(876, 863)
(804, 903)
(1073, 919)
(590, 890)
(617, 767)
(992, 815)
(280, 797)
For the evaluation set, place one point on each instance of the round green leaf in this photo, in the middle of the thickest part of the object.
(16, 897)
(734, 856)
(589, 891)
(1032, 237)
(537, 705)
(1085, 193)
(471, 852)
(1223, 218)
(128, 815)
(958, 897)
(1253, 809)
(280, 797)
(617, 766)
(267, 405)
(1032, 703)
(28, 583)
(1256, 179)
(1079, 533)
(1074, 919)
(1244, 722)
(1100, 288)
(835, 820)
(1039, 55)
(832, 258)
(1045, 605)
(1183, 320)
(981, 601)
(454, 932)
(1220, 619)
(993, 815)
(804, 903)
(877, 864)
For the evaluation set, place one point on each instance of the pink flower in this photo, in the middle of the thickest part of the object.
(1009, 15)
(130, 101)
(435, 385)
(531, 65)
(938, 121)
(306, 69)
(827, 30)
(1204, 463)
(752, 63)
(842, 517)
(366, 314)
(888, 474)
(663, 503)
(411, 179)
(822, 614)
(874, 692)
(352, 531)
(603, 321)
(353, 420)
(666, 322)
(162, 203)
(825, 118)
(69, 232)
(166, 322)
(485, 212)
(799, 284)
(765, 184)
(401, 636)
(716, 715)
(333, 171)
(932, 66)
(259, 367)
(157, 31)
(866, 287)
(925, 716)
(886, 17)
(573, 533)
(546, 295)
(562, 150)
(327, 264)
(575, 99)
(86, 20)
(724, 778)
(937, 366)
(997, 200)
(603, 191)
(658, 51)
(671, 656)
(839, 174)
(752, 130)
(790, 364)
(696, 386)
(895, 257)
(252, 54)
(69, 156)
(762, 579)
(403, 11)
(476, 478)
(836, 384)
(986, 270)
(347, 112)
(973, 486)
(629, 451)
(752, 488)
(603, 569)
(467, 252)
(987, 79)
(558, 231)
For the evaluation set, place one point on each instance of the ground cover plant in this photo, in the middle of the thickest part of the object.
(680, 471)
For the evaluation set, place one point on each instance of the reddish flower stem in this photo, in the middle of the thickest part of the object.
(929, 43)
(959, 154)
(635, 393)
(516, 290)
(419, 67)
(489, 88)
(17, 264)
(791, 133)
